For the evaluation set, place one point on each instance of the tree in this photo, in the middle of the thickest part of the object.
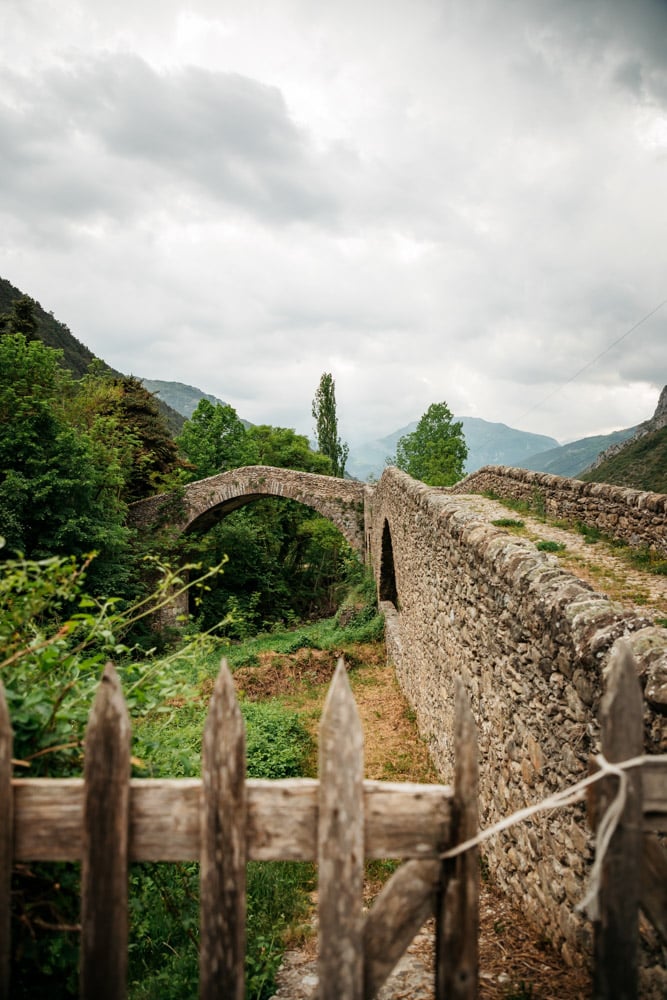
(215, 440)
(285, 449)
(60, 484)
(21, 318)
(154, 454)
(435, 451)
(326, 425)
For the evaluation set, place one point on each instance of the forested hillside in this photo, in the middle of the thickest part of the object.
(53, 333)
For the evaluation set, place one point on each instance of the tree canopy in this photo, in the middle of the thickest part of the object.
(435, 451)
(326, 425)
(60, 482)
(214, 440)
(20, 318)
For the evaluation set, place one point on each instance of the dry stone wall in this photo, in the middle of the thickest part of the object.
(531, 643)
(207, 500)
(632, 516)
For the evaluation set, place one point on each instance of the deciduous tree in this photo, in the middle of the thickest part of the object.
(435, 451)
(214, 440)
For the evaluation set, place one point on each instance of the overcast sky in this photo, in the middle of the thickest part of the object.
(459, 200)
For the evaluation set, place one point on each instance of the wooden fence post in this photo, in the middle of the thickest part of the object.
(457, 912)
(104, 918)
(6, 836)
(616, 932)
(340, 841)
(223, 847)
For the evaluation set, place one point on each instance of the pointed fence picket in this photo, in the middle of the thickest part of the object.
(106, 819)
(634, 869)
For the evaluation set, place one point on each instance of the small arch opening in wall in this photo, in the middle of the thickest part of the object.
(388, 590)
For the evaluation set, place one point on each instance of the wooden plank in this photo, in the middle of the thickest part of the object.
(403, 821)
(104, 918)
(654, 884)
(223, 847)
(616, 931)
(6, 847)
(340, 845)
(654, 792)
(457, 911)
(406, 901)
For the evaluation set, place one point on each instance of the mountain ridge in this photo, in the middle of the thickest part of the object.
(489, 442)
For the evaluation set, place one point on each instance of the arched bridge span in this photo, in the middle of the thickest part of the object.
(206, 501)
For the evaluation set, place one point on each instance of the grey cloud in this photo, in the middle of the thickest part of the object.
(223, 135)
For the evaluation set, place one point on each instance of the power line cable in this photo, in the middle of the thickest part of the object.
(590, 364)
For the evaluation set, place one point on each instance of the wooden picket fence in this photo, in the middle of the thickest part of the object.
(634, 872)
(106, 820)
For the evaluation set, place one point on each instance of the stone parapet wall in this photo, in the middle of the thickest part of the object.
(632, 516)
(531, 643)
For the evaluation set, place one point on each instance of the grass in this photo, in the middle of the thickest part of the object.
(291, 672)
(550, 546)
(508, 522)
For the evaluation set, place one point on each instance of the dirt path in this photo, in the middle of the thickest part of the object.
(598, 563)
(515, 963)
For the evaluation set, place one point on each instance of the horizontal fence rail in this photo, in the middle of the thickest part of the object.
(106, 820)
(401, 820)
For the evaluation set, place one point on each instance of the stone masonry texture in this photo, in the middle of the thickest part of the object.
(531, 643)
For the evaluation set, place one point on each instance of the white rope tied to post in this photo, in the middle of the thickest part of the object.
(567, 797)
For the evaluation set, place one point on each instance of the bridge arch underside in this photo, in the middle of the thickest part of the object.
(217, 511)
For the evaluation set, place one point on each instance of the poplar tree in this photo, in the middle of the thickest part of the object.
(326, 425)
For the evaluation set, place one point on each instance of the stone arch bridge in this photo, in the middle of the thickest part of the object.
(206, 501)
(531, 642)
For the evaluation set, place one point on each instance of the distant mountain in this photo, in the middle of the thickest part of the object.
(641, 461)
(488, 444)
(572, 458)
(182, 398)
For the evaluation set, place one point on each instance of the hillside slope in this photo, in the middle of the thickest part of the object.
(641, 464)
(53, 333)
(570, 459)
(76, 356)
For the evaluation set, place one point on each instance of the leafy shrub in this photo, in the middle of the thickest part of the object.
(277, 742)
(508, 522)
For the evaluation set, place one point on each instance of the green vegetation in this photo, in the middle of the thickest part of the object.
(640, 465)
(535, 507)
(508, 522)
(550, 546)
(285, 562)
(55, 638)
(73, 455)
(326, 425)
(590, 533)
(214, 440)
(77, 357)
(435, 452)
